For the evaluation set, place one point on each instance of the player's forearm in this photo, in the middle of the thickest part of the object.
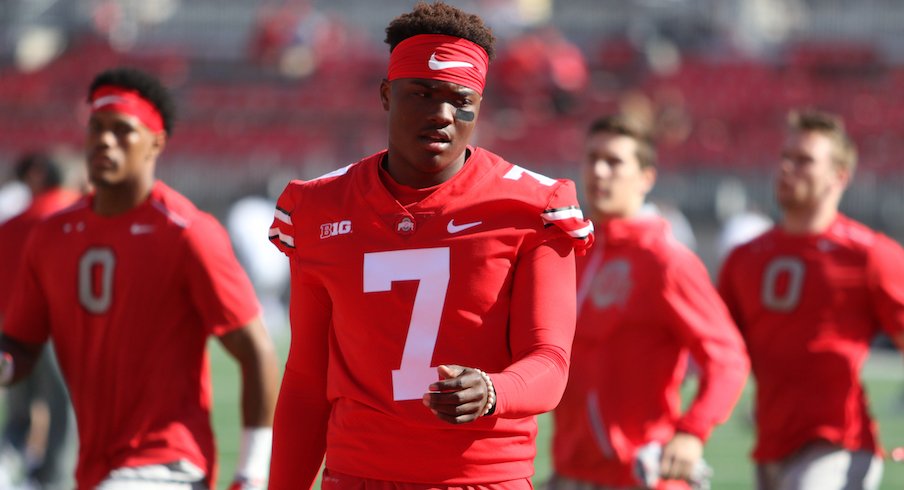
(542, 322)
(532, 385)
(299, 435)
(701, 318)
(721, 384)
(259, 388)
(302, 411)
(251, 347)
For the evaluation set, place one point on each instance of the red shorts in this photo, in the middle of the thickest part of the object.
(340, 481)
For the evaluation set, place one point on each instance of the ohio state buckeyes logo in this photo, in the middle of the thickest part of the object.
(405, 225)
(613, 285)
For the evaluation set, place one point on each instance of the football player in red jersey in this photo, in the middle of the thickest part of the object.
(52, 190)
(809, 296)
(129, 283)
(645, 302)
(433, 289)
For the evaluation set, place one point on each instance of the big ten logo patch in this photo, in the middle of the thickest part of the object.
(343, 227)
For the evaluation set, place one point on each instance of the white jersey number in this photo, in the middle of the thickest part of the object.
(96, 298)
(430, 266)
(516, 172)
(795, 269)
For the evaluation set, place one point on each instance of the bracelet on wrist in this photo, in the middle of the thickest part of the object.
(490, 406)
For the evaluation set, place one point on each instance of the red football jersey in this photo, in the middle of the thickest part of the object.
(14, 233)
(479, 273)
(808, 307)
(644, 303)
(129, 302)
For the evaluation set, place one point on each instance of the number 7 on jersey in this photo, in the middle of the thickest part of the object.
(429, 266)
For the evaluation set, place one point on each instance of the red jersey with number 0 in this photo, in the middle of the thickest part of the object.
(480, 273)
(808, 307)
(644, 303)
(129, 302)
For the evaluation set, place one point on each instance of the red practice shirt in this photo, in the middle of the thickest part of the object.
(14, 233)
(645, 303)
(809, 307)
(476, 273)
(129, 302)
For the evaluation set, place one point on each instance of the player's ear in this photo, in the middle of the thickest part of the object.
(385, 88)
(843, 175)
(648, 174)
(159, 142)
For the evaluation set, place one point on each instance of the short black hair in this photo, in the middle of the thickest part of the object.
(47, 164)
(440, 18)
(147, 85)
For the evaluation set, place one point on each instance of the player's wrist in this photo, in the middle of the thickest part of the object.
(697, 429)
(253, 465)
(241, 483)
(7, 368)
(490, 406)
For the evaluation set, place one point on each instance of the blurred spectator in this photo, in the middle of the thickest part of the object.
(505, 17)
(567, 69)
(543, 73)
(37, 46)
(295, 38)
(120, 22)
(760, 25)
(39, 449)
(274, 30)
(674, 121)
(638, 106)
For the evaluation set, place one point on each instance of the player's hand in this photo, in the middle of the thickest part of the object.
(680, 456)
(459, 397)
(246, 484)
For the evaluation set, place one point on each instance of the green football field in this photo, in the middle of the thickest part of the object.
(726, 451)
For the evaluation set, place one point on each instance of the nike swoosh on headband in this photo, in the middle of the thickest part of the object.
(435, 64)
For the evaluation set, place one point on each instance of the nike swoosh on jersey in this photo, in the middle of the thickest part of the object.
(435, 64)
(452, 228)
(139, 229)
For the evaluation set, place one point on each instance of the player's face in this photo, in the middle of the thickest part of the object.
(614, 181)
(430, 125)
(808, 174)
(121, 149)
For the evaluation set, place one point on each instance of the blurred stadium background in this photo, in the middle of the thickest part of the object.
(276, 89)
